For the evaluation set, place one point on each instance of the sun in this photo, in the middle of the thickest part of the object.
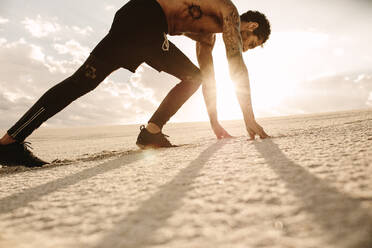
(267, 93)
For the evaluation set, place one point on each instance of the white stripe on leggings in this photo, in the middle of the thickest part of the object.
(28, 122)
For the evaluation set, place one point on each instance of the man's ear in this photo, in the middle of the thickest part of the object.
(249, 26)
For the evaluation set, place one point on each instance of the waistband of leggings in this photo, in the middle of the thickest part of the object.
(164, 17)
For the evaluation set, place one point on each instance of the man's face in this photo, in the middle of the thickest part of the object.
(250, 40)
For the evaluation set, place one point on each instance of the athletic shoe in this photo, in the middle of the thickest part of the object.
(18, 153)
(148, 140)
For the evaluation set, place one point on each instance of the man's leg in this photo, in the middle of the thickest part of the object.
(85, 79)
(177, 64)
(13, 151)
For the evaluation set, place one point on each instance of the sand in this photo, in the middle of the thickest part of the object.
(309, 186)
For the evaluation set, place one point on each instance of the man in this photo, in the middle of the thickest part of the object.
(139, 34)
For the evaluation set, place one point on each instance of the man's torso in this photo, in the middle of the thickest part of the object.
(197, 19)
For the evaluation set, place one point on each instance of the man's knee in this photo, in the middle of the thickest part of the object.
(194, 80)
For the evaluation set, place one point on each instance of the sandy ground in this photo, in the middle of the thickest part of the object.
(309, 186)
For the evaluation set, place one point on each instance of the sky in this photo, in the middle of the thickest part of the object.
(318, 59)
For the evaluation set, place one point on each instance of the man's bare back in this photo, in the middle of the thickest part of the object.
(197, 17)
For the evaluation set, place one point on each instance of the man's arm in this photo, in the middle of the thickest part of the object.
(205, 59)
(238, 69)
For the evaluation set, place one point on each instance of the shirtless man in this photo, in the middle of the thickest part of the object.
(139, 34)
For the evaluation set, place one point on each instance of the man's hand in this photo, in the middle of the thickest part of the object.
(220, 132)
(254, 128)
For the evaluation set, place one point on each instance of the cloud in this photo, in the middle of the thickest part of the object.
(76, 55)
(82, 31)
(359, 78)
(37, 53)
(3, 20)
(334, 93)
(109, 7)
(148, 78)
(369, 100)
(73, 48)
(22, 75)
(39, 27)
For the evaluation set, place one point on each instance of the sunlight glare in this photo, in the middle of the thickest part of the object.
(266, 89)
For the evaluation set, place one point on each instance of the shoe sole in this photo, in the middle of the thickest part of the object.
(143, 147)
(24, 165)
(147, 147)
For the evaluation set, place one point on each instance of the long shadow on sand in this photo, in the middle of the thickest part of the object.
(137, 228)
(21, 199)
(342, 218)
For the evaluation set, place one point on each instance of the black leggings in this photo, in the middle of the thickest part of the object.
(85, 79)
(125, 46)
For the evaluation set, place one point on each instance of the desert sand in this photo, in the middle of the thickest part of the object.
(308, 186)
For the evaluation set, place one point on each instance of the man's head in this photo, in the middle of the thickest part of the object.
(255, 29)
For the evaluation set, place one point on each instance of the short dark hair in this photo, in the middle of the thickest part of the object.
(263, 31)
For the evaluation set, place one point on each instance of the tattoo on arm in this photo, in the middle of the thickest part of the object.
(231, 33)
(233, 44)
